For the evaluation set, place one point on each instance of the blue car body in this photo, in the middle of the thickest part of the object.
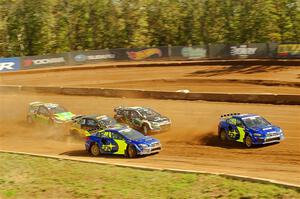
(117, 141)
(238, 126)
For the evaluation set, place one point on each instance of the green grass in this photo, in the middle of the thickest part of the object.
(24, 176)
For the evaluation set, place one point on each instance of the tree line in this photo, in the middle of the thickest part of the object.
(33, 27)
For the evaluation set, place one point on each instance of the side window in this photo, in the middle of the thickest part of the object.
(127, 114)
(90, 122)
(134, 114)
(116, 136)
(231, 121)
(43, 111)
(82, 121)
(239, 123)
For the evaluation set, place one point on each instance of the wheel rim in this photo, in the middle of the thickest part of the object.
(248, 141)
(223, 136)
(95, 150)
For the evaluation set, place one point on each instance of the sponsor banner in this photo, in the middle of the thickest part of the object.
(188, 52)
(193, 52)
(288, 50)
(92, 56)
(44, 61)
(9, 64)
(255, 50)
(139, 54)
(259, 50)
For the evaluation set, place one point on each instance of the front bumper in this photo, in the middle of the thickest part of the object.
(161, 128)
(150, 150)
(268, 140)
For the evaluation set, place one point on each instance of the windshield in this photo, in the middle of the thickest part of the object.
(57, 110)
(255, 121)
(107, 121)
(131, 134)
(148, 113)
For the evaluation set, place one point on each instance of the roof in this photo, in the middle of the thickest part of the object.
(95, 116)
(241, 116)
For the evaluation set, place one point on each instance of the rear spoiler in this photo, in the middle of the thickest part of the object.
(36, 103)
(229, 114)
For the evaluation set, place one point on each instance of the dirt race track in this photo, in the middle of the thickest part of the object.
(192, 142)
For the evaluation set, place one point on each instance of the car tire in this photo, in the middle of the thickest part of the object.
(145, 129)
(248, 141)
(131, 151)
(222, 135)
(95, 150)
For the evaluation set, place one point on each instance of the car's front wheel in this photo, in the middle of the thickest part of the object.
(248, 141)
(131, 151)
(95, 150)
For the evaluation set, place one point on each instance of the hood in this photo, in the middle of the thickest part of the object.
(65, 116)
(146, 140)
(264, 130)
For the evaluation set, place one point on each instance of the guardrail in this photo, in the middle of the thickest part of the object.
(211, 51)
(265, 98)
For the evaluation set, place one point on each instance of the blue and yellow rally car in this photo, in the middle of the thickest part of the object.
(123, 141)
(249, 129)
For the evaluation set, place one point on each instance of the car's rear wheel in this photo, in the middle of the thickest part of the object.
(222, 135)
(131, 151)
(95, 150)
(248, 141)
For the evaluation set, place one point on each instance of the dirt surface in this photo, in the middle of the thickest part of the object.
(191, 143)
(236, 79)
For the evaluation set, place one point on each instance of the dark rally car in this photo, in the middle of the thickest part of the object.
(142, 119)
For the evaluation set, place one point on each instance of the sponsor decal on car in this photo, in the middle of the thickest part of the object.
(46, 61)
(9, 64)
(288, 50)
(193, 53)
(242, 50)
(82, 57)
(143, 54)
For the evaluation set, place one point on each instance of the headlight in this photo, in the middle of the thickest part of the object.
(143, 146)
(257, 134)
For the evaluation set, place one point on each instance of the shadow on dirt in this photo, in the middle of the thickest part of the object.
(244, 69)
(84, 153)
(212, 139)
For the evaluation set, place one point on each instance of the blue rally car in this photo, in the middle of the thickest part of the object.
(122, 141)
(249, 129)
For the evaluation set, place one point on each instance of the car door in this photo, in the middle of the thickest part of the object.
(42, 115)
(241, 129)
(89, 126)
(107, 143)
(137, 120)
(120, 141)
(233, 133)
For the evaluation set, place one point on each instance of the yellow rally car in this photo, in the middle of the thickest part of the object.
(85, 125)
